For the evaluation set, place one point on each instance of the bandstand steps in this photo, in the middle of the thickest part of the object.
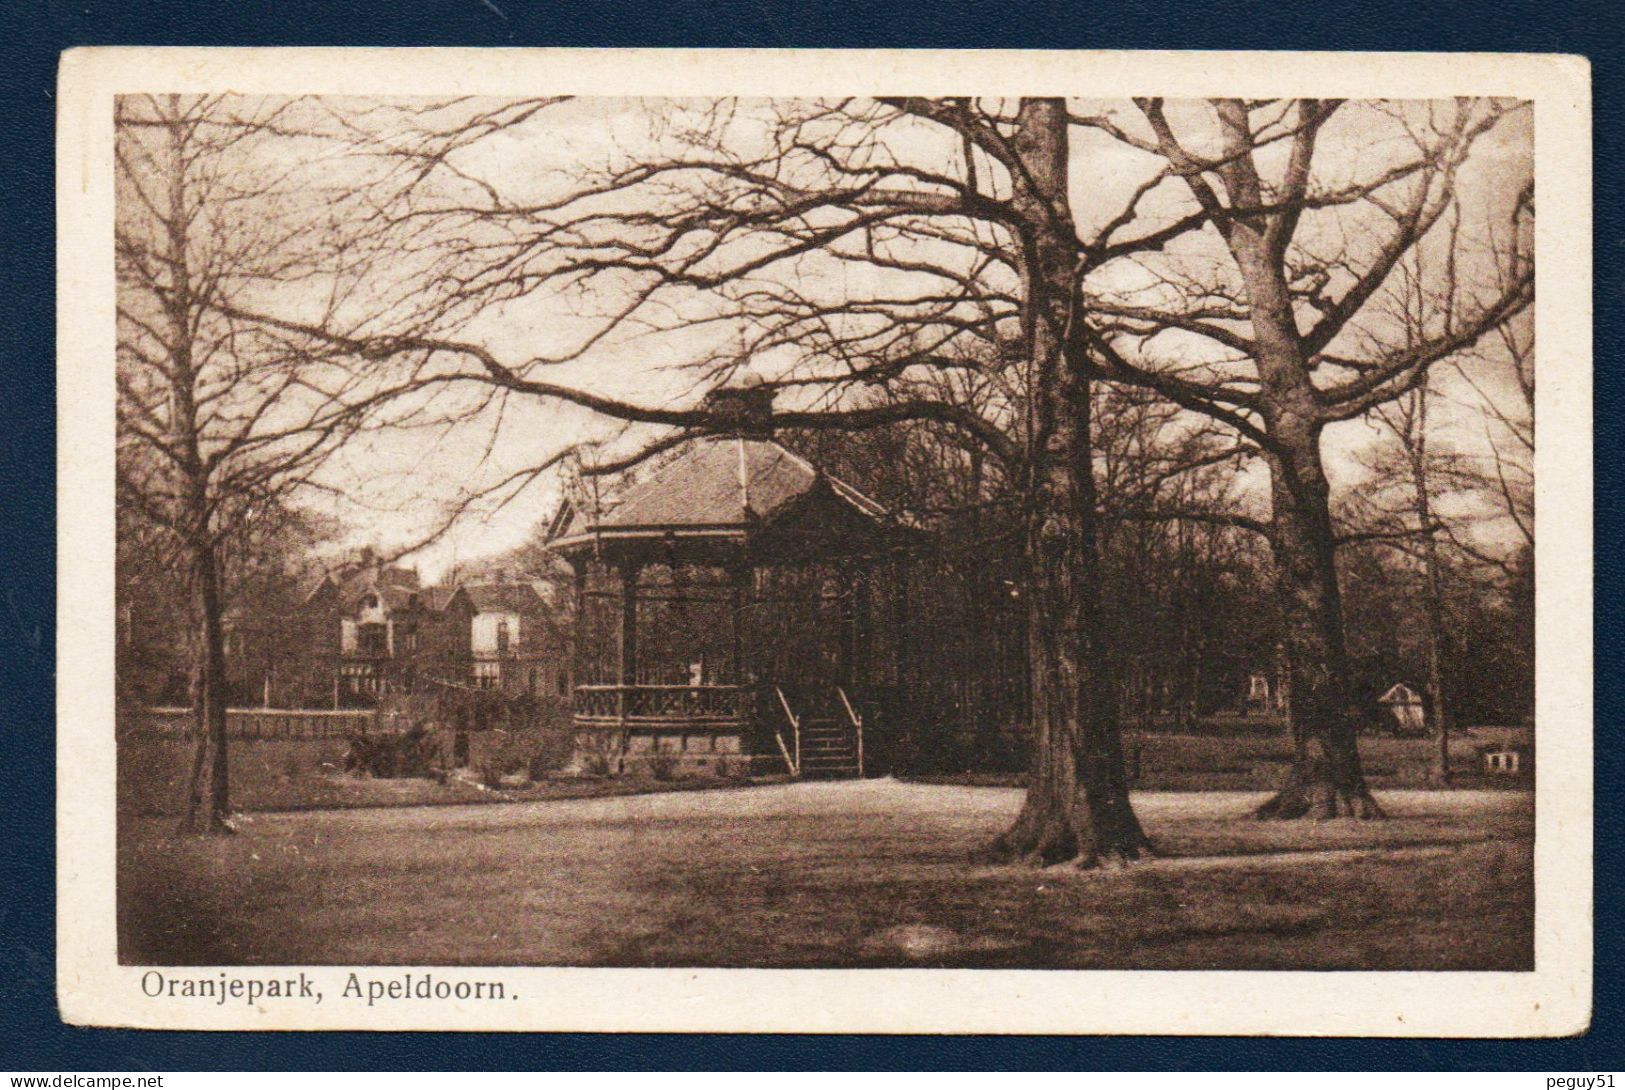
(828, 750)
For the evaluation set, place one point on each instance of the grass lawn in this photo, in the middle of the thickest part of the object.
(870, 873)
(1227, 754)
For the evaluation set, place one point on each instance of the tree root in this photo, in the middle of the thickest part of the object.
(1320, 802)
(1035, 844)
(1055, 843)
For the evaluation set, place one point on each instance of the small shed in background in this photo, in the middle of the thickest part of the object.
(1514, 760)
(1404, 707)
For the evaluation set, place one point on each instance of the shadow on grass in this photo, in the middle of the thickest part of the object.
(872, 876)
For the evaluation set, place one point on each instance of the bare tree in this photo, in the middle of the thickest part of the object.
(1292, 343)
(1408, 415)
(854, 252)
(1509, 432)
(220, 421)
(1495, 476)
(858, 251)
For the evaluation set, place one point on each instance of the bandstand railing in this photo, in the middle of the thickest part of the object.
(793, 761)
(685, 704)
(857, 726)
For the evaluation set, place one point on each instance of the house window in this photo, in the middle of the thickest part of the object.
(360, 679)
(487, 675)
(371, 639)
(531, 682)
(502, 637)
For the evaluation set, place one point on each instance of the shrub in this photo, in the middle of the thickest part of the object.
(507, 754)
(411, 753)
(550, 751)
(596, 753)
(663, 766)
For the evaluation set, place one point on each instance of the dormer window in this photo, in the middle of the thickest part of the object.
(369, 602)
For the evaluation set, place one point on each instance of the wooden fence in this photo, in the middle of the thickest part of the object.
(260, 723)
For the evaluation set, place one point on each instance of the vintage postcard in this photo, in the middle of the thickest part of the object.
(876, 542)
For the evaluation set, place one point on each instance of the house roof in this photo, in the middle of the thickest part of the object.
(399, 577)
(437, 598)
(503, 597)
(398, 597)
(716, 482)
(396, 587)
(315, 585)
(1400, 694)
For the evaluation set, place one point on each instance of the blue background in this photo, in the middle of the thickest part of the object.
(31, 1037)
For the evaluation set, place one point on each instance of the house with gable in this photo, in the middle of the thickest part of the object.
(382, 622)
(505, 638)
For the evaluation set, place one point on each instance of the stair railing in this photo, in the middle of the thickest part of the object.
(795, 728)
(857, 726)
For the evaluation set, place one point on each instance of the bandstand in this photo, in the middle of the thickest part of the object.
(738, 612)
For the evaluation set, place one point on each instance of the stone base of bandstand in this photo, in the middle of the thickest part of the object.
(665, 751)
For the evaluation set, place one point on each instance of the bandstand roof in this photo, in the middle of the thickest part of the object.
(725, 487)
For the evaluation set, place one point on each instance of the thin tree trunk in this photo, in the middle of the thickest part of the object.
(1416, 442)
(1436, 698)
(179, 312)
(214, 688)
(200, 749)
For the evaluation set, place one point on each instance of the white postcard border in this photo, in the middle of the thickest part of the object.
(1554, 999)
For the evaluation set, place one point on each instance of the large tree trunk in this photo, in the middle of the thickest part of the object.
(1077, 807)
(1326, 779)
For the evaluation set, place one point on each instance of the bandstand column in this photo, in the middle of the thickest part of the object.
(862, 621)
(739, 604)
(578, 569)
(849, 623)
(627, 656)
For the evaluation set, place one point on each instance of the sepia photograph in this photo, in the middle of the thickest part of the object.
(818, 531)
